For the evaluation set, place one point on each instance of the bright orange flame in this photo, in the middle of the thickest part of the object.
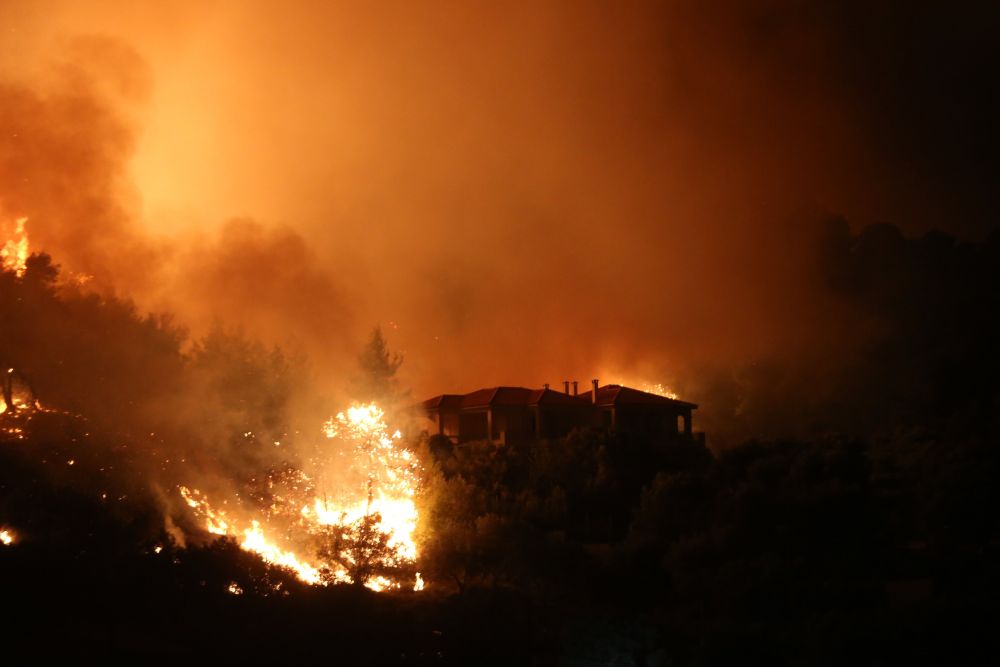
(386, 474)
(7, 537)
(391, 477)
(254, 539)
(14, 253)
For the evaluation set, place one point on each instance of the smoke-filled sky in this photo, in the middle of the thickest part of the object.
(518, 192)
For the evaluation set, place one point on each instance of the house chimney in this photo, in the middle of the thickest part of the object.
(574, 388)
(566, 386)
(546, 385)
(593, 395)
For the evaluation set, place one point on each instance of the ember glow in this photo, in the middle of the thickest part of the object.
(347, 515)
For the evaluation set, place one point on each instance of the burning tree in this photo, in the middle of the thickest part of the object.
(348, 516)
(365, 551)
(381, 484)
(14, 252)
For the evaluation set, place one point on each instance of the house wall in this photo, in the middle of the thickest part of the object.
(653, 420)
(558, 421)
(518, 423)
(513, 423)
(472, 426)
(450, 424)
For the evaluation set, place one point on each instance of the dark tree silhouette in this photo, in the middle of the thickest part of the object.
(378, 366)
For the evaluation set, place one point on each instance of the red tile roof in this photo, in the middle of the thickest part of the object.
(497, 396)
(442, 401)
(610, 394)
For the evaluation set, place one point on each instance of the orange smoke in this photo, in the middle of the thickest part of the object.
(530, 193)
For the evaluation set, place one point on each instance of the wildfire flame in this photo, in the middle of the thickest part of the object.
(326, 533)
(7, 537)
(14, 253)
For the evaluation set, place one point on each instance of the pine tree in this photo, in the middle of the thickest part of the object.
(378, 366)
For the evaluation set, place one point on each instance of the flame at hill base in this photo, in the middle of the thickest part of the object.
(350, 518)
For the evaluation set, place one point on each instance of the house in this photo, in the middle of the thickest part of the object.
(508, 414)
